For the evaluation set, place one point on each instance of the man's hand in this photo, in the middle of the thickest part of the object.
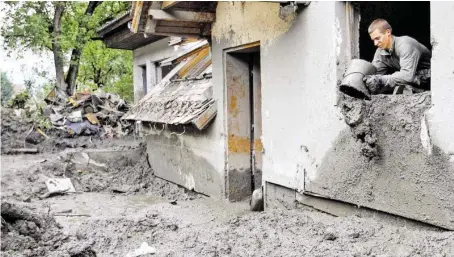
(373, 83)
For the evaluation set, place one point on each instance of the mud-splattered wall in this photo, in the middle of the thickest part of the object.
(192, 159)
(299, 74)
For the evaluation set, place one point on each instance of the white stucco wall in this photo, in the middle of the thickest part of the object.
(299, 74)
(299, 82)
(441, 115)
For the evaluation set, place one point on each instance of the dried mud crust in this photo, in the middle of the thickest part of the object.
(26, 232)
(269, 233)
(123, 176)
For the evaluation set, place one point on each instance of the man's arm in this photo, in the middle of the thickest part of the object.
(382, 68)
(409, 58)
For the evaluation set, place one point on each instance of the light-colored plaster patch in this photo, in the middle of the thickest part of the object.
(245, 22)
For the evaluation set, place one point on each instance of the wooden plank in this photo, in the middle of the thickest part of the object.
(196, 57)
(166, 34)
(195, 51)
(204, 119)
(177, 30)
(118, 38)
(136, 15)
(168, 4)
(182, 16)
(113, 26)
(187, 24)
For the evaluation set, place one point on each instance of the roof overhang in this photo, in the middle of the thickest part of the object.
(116, 34)
(150, 21)
(176, 18)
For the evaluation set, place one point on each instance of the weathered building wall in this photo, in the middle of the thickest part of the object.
(147, 56)
(404, 179)
(192, 159)
(307, 145)
(299, 78)
(441, 115)
(299, 81)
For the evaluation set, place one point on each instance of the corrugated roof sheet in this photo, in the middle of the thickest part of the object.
(174, 102)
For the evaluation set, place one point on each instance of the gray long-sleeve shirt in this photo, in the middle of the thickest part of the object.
(406, 57)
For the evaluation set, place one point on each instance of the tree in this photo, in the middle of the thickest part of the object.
(7, 88)
(106, 68)
(64, 28)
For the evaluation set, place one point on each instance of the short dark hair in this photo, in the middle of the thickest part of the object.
(380, 24)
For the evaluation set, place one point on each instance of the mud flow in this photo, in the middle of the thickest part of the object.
(120, 208)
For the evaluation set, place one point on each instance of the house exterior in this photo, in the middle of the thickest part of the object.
(279, 124)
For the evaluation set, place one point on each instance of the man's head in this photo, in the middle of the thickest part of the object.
(380, 32)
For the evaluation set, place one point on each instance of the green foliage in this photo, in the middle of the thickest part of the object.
(109, 69)
(39, 119)
(29, 25)
(7, 88)
(26, 25)
(19, 100)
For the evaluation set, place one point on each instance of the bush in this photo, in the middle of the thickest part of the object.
(19, 100)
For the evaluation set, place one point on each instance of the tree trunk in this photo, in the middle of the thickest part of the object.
(56, 49)
(73, 70)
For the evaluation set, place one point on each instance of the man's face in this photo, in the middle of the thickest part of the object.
(381, 40)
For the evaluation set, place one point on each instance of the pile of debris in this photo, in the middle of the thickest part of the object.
(85, 114)
(54, 124)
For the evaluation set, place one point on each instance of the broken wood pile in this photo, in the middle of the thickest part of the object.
(56, 124)
(86, 114)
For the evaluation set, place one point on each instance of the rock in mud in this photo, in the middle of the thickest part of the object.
(257, 200)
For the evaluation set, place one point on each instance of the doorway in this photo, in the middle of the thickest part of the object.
(244, 121)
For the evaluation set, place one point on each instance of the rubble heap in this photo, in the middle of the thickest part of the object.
(85, 114)
(30, 128)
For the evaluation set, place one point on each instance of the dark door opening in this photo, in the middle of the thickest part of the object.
(144, 79)
(244, 122)
(406, 19)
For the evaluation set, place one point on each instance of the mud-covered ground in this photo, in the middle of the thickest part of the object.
(100, 222)
(119, 205)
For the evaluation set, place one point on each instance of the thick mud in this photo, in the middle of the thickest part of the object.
(27, 232)
(120, 205)
(122, 175)
(99, 221)
(408, 176)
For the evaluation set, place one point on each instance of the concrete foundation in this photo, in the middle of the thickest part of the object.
(278, 197)
(188, 159)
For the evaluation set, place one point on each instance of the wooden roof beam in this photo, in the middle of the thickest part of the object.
(168, 4)
(204, 17)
